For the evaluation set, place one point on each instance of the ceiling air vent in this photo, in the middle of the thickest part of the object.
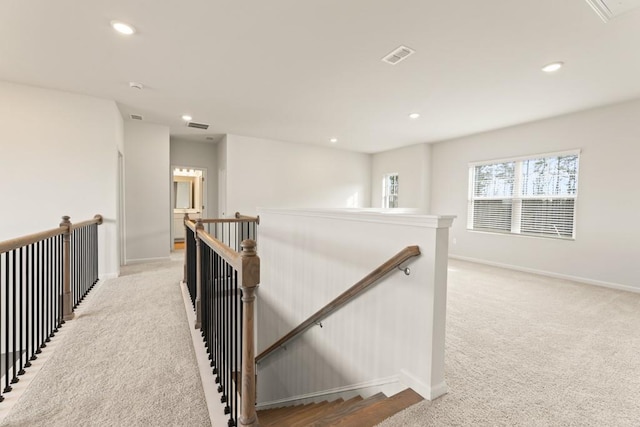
(398, 55)
(197, 125)
(609, 9)
(135, 116)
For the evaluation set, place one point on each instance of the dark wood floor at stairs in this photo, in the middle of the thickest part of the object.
(356, 412)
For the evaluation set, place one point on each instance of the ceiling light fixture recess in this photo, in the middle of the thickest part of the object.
(333, 140)
(123, 28)
(553, 67)
(187, 118)
(414, 116)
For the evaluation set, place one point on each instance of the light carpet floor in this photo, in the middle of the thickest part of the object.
(527, 350)
(128, 361)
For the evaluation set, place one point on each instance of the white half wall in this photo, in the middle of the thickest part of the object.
(396, 329)
(202, 155)
(147, 195)
(413, 166)
(606, 249)
(267, 173)
(59, 157)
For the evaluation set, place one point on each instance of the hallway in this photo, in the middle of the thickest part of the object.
(127, 359)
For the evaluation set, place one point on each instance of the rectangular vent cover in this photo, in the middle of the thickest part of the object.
(198, 125)
(398, 55)
(135, 116)
(609, 9)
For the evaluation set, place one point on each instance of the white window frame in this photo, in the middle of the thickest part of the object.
(517, 198)
(389, 193)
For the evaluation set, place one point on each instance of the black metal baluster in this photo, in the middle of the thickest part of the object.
(28, 305)
(61, 278)
(240, 295)
(38, 295)
(2, 286)
(47, 293)
(20, 308)
(7, 387)
(219, 328)
(13, 322)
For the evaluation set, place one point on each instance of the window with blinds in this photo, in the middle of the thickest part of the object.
(533, 195)
(390, 190)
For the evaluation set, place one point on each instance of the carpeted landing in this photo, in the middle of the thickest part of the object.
(128, 361)
(526, 350)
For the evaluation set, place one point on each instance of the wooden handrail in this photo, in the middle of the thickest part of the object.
(255, 219)
(344, 298)
(232, 257)
(19, 242)
(97, 219)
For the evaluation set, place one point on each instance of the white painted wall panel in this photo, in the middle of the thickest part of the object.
(413, 165)
(58, 157)
(147, 196)
(606, 249)
(267, 173)
(309, 257)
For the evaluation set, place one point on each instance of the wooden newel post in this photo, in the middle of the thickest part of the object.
(199, 227)
(250, 280)
(67, 302)
(186, 260)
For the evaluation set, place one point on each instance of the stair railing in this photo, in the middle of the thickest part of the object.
(350, 294)
(43, 277)
(222, 284)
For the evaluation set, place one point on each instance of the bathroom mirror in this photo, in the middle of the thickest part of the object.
(183, 192)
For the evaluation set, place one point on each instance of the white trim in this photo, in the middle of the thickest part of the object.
(211, 395)
(396, 216)
(420, 387)
(578, 279)
(108, 276)
(527, 157)
(322, 394)
(143, 260)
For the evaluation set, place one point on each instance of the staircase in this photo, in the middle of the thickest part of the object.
(356, 412)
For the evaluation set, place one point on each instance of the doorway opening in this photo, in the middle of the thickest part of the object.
(188, 196)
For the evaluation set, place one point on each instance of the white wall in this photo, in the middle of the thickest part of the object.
(221, 150)
(413, 165)
(267, 173)
(309, 257)
(58, 157)
(147, 195)
(200, 155)
(607, 245)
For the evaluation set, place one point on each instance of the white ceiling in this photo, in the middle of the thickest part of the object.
(309, 70)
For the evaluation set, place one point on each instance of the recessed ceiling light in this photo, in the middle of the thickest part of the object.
(333, 140)
(414, 115)
(123, 28)
(554, 66)
(187, 118)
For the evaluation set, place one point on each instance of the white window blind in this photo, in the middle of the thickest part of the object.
(534, 196)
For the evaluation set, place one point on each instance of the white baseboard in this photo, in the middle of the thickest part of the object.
(143, 260)
(215, 408)
(423, 389)
(584, 280)
(388, 386)
(108, 276)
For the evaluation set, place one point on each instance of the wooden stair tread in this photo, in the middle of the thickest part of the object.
(266, 416)
(316, 414)
(348, 409)
(294, 416)
(379, 411)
